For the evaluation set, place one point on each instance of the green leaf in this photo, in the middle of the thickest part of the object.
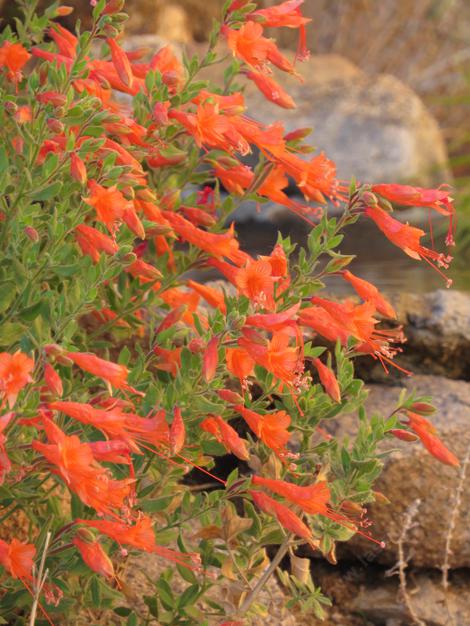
(165, 594)
(7, 295)
(189, 596)
(10, 333)
(48, 192)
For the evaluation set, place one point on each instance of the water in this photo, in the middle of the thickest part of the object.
(378, 260)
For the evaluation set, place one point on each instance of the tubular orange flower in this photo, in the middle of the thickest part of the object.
(210, 359)
(272, 90)
(312, 499)
(270, 428)
(115, 374)
(78, 169)
(437, 199)
(15, 372)
(145, 272)
(92, 242)
(428, 435)
(256, 282)
(109, 204)
(212, 296)
(408, 239)
(286, 518)
(227, 435)
(239, 363)
(142, 537)
(13, 57)
(249, 45)
(370, 293)
(168, 360)
(53, 381)
(95, 557)
(177, 432)
(121, 63)
(74, 463)
(328, 380)
(17, 558)
(274, 321)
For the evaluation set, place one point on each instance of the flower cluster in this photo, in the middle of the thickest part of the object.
(124, 374)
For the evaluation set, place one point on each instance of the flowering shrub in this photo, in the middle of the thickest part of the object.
(124, 379)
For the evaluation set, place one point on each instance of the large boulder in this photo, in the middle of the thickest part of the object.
(437, 329)
(411, 473)
(374, 127)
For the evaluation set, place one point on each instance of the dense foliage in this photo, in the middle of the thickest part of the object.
(128, 384)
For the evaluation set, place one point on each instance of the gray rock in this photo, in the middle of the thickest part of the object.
(383, 604)
(437, 326)
(411, 473)
(375, 128)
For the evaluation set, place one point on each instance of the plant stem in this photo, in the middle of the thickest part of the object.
(251, 597)
(40, 580)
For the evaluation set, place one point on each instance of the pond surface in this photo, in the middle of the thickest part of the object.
(378, 261)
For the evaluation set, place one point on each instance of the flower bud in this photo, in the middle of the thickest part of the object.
(63, 11)
(55, 125)
(196, 345)
(113, 6)
(227, 395)
(10, 107)
(403, 435)
(78, 169)
(31, 233)
(423, 408)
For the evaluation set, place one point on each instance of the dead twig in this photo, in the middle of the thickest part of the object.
(402, 563)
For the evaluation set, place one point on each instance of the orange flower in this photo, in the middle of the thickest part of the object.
(211, 128)
(168, 360)
(15, 372)
(284, 14)
(272, 90)
(249, 45)
(17, 558)
(78, 169)
(13, 57)
(437, 199)
(286, 518)
(408, 239)
(210, 359)
(212, 296)
(370, 293)
(274, 321)
(177, 432)
(121, 63)
(109, 204)
(328, 380)
(113, 373)
(312, 499)
(52, 380)
(228, 436)
(95, 557)
(142, 537)
(428, 435)
(225, 245)
(145, 272)
(239, 363)
(74, 463)
(270, 428)
(283, 360)
(92, 242)
(256, 282)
